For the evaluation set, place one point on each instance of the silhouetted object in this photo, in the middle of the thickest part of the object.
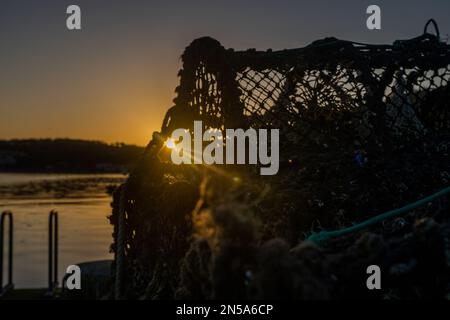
(52, 253)
(66, 155)
(9, 285)
(363, 129)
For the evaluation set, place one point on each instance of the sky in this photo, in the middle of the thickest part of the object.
(114, 79)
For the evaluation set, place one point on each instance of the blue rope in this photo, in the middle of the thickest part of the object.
(320, 237)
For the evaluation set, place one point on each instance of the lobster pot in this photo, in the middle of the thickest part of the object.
(363, 128)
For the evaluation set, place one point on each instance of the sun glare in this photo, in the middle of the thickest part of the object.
(170, 143)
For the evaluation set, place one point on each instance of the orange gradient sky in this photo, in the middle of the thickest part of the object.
(114, 79)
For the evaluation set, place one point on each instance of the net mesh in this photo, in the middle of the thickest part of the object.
(328, 99)
(388, 85)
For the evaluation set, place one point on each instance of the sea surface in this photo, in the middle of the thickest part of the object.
(83, 205)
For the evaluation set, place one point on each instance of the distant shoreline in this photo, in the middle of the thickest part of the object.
(66, 171)
(66, 156)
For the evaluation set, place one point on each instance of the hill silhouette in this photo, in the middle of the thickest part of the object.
(66, 155)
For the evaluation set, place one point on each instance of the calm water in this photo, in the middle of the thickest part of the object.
(84, 230)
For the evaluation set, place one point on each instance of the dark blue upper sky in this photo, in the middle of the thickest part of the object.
(114, 79)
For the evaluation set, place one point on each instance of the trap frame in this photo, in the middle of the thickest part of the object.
(331, 97)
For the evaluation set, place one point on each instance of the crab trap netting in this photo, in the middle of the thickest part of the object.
(363, 129)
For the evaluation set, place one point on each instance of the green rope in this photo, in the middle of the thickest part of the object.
(323, 236)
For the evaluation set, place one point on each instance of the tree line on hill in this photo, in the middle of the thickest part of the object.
(66, 155)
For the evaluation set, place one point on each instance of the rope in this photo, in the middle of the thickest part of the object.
(435, 26)
(120, 243)
(320, 237)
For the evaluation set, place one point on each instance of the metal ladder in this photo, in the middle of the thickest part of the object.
(9, 285)
(52, 253)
